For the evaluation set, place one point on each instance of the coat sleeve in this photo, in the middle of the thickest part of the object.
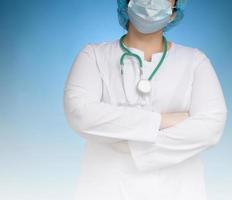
(92, 118)
(200, 131)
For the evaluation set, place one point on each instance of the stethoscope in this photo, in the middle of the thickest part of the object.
(143, 86)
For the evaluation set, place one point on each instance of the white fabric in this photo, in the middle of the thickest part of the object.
(127, 156)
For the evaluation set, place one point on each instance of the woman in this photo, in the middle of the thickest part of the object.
(144, 132)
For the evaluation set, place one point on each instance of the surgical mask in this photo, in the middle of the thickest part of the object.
(149, 16)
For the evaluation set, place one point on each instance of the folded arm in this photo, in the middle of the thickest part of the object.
(91, 118)
(200, 131)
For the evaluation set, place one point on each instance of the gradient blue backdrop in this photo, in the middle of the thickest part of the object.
(39, 153)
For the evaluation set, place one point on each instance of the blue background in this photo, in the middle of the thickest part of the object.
(39, 153)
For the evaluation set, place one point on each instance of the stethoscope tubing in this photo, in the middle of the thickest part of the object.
(129, 53)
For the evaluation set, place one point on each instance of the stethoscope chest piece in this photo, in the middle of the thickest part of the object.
(144, 86)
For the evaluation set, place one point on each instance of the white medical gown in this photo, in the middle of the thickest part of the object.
(127, 156)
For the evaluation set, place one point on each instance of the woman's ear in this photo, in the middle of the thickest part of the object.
(173, 3)
(173, 16)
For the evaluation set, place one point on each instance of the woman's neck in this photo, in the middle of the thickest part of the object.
(148, 43)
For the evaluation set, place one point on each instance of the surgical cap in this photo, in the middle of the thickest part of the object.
(123, 16)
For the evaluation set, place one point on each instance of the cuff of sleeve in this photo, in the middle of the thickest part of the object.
(151, 126)
(138, 148)
(145, 126)
(156, 123)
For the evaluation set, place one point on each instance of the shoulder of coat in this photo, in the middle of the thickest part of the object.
(190, 51)
(103, 46)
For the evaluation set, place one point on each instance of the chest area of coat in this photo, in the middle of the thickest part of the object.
(171, 85)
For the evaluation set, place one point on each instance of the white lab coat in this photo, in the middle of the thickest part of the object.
(127, 156)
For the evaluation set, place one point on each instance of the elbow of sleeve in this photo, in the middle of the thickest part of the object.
(77, 111)
(218, 130)
(76, 123)
(80, 122)
(73, 114)
(73, 120)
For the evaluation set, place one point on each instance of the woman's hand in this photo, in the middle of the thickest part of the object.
(170, 119)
